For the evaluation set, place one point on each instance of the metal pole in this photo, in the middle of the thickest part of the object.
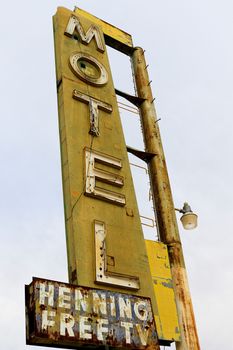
(163, 203)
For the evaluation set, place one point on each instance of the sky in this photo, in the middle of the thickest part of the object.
(189, 51)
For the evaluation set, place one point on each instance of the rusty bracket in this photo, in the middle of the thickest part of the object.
(145, 156)
(117, 45)
(137, 101)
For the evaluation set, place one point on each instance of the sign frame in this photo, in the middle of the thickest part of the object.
(128, 318)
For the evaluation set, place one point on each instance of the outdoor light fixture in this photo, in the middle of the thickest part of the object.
(188, 219)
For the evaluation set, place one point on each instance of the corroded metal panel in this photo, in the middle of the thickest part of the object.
(166, 318)
(65, 315)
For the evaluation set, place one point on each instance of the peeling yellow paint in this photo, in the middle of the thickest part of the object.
(166, 318)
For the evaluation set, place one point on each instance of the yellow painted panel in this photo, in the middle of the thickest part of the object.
(107, 28)
(158, 258)
(166, 318)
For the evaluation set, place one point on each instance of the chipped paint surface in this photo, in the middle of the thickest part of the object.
(60, 314)
(166, 318)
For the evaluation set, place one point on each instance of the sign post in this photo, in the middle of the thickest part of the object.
(163, 203)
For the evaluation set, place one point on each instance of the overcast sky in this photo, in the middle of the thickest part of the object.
(189, 51)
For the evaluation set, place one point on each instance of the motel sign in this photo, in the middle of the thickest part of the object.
(102, 219)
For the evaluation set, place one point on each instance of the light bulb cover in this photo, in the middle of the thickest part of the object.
(189, 220)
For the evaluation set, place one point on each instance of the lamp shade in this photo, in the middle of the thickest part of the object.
(189, 221)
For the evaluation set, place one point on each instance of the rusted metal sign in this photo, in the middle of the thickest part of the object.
(65, 315)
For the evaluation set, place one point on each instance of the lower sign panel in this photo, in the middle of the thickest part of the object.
(64, 315)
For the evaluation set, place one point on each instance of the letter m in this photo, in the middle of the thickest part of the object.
(74, 26)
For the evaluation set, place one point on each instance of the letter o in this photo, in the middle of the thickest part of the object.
(88, 69)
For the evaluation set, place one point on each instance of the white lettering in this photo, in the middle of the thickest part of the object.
(74, 25)
(64, 297)
(112, 305)
(143, 334)
(49, 294)
(66, 323)
(99, 304)
(81, 301)
(140, 310)
(93, 174)
(94, 106)
(127, 326)
(100, 328)
(84, 328)
(88, 69)
(125, 308)
(100, 260)
(46, 322)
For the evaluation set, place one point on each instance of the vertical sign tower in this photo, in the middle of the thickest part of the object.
(104, 237)
(113, 286)
(105, 243)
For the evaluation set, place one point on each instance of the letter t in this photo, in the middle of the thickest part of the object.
(94, 106)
